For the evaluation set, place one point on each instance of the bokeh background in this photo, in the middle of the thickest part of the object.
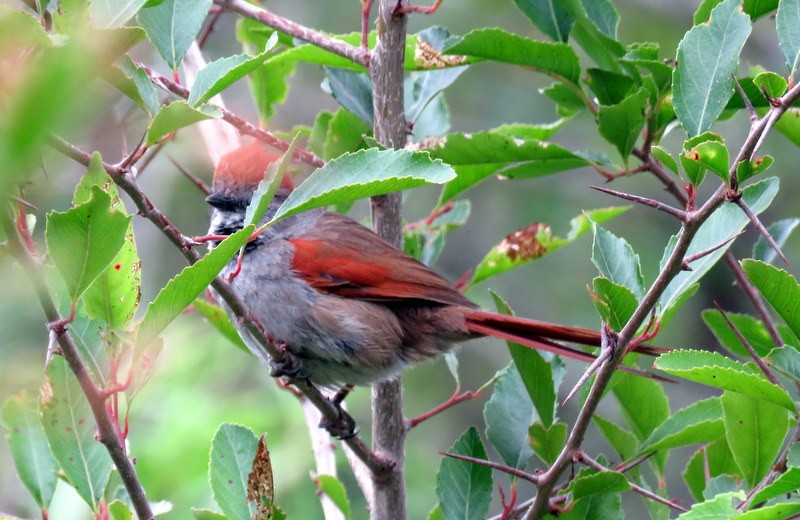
(202, 381)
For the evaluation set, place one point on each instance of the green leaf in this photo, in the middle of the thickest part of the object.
(747, 169)
(464, 489)
(224, 72)
(624, 442)
(83, 241)
(535, 241)
(665, 158)
(187, 285)
(615, 303)
(718, 508)
(713, 369)
(557, 60)
(724, 224)
(698, 422)
(365, 173)
(594, 30)
(788, 482)
(694, 169)
(233, 449)
(615, 260)
(114, 296)
(600, 482)
(205, 514)
(172, 25)
(478, 155)
(119, 510)
(707, 58)
(334, 489)
(35, 464)
(70, 428)
(787, 23)
(779, 288)
(622, 123)
(352, 90)
(755, 430)
(771, 83)
(787, 360)
(602, 506)
(712, 155)
(751, 328)
(547, 442)
(425, 87)
(789, 125)
(567, 100)
(110, 14)
(177, 115)
(526, 131)
(541, 375)
(218, 318)
(508, 414)
(143, 87)
(610, 88)
(645, 406)
(758, 8)
(549, 17)
(780, 511)
(713, 460)
(268, 187)
(345, 133)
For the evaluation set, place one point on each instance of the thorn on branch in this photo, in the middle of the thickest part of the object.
(691, 258)
(761, 229)
(750, 350)
(669, 210)
(494, 465)
(202, 186)
(747, 103)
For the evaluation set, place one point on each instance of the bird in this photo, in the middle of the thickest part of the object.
(350, 307)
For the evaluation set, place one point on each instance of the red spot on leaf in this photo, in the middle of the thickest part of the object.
(118, 267)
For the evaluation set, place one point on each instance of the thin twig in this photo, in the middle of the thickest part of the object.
(586, 459)
(697, 256)
(666, 208)
(96, 397)
(748, 105)
(754, 297)
(436, 410)
(202, 186)
(377, 463)
(354, 54)
(750, 350)
(240, 124)
(761, 229)
(494, 465)
(366, 9)
(624, 468)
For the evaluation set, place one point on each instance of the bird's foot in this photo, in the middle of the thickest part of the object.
(343, 427)
(288, 366)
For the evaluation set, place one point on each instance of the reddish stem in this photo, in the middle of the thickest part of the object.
(454, 400)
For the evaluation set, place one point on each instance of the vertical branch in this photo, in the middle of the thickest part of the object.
(388, 424)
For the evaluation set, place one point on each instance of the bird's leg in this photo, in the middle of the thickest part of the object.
(345, 426)
(289, 365)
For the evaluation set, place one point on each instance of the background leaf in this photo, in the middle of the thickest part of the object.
(787, 22)
(464, 489)
(172, 25)
(232, 451)
(779, 288)
(508, 414)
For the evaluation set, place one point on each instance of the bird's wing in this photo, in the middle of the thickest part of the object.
(340, 256)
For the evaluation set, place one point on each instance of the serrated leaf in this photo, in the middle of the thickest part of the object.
(779, 288)
(698, 422)
(535, 241)
(724, 224)
(365, 173)
(70, 428)
(144, 88)
(787, 23)
(464, 489)
(550, 17)
(232, 451)
(568, 102)
(616, 260)
(554, 59)
(713, 460)
(755, 430)
(600, 482)
(754, 331)
(748, 169)
(218, 318)
(610, 88)
(665, 158)
(788, 482)
(622, 123)
(508, 414)
(707, 58)
(787, 360)
(353, 91)
(541, 373)
(333, 488)
(547, 442)
(770, 83)
(119, 510)
(718, 508)
(595, 31)
(615, 303)
(779, 511)
(345, 133)
(205, 514)
(23, 29)
(177, 115)
(173, 25)
(713, 369)
(33, 460)
(187, 285)
(268, 187)
(110, 14)
(83, 241)
(624, 442)
(712, 155)
(224, 72)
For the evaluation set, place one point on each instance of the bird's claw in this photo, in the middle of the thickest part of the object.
(342, 428)
(288, 366)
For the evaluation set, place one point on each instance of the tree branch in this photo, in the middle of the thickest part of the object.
(388, 423)
(95, 395)
(355, 54)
